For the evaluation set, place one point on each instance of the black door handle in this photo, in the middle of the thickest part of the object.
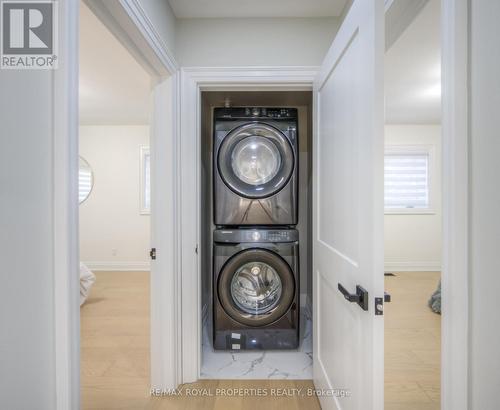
(360, 297)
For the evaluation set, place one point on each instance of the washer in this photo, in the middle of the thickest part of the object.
(255, 289)
(255, 166)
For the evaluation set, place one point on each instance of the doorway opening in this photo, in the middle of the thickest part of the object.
(114, 219)
(413, 214)
(234, 357)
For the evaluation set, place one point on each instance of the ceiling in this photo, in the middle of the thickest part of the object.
(256, 8)
(114, 88)
(413, 71)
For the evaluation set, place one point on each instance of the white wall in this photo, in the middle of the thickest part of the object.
(484, 371)
(413, 242)
(27, 359)
(254, 42)
(113, 233)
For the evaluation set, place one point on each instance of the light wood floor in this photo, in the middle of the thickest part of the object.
(115, 351)
(115, 357)
(412, 343)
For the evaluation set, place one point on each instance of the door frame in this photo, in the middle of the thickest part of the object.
(455, 226)
(194, 80)
(128, 21)
(182, 321)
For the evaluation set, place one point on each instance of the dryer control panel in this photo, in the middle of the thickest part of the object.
(255, 112)
(255, 235)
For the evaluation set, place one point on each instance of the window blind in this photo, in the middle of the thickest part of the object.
(406, 181)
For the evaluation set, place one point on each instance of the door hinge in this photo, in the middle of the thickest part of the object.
(152, 253)
(379, 304)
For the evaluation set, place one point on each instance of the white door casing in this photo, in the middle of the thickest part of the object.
(348, 212)
(164, 282)
(193, 81)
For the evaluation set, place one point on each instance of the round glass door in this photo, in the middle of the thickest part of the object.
(256, 287)
(256, 160)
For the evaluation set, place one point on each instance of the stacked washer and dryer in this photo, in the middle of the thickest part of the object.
(256, 244)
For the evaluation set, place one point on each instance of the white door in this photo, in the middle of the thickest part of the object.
(348, 213)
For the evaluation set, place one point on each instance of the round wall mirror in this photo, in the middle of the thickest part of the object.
(85, 180)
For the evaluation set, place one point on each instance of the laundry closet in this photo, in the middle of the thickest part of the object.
(256, 219)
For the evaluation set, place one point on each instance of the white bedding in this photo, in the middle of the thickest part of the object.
(87, 279)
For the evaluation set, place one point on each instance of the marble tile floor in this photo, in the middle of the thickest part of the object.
(290, 364)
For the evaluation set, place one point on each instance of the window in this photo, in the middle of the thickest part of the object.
(407, 187)
(145, 180)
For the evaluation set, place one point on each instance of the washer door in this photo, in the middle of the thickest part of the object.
(256, 287)
(255, 160)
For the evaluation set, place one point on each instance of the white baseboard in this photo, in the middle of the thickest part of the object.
(118, 266)
(412, 267)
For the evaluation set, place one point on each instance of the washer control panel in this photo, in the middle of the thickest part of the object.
(255, 235)
(255, 112)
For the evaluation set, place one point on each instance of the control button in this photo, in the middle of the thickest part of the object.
(264, 111)
(247, 111)
(255, 111)
(256, 236)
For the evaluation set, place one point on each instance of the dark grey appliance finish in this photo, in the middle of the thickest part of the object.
(255, 166)
(256, 289)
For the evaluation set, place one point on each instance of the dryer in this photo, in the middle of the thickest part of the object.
(256, 289)
(255, 166)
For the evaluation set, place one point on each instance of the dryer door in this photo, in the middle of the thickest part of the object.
(256, 287)
(255, 160)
